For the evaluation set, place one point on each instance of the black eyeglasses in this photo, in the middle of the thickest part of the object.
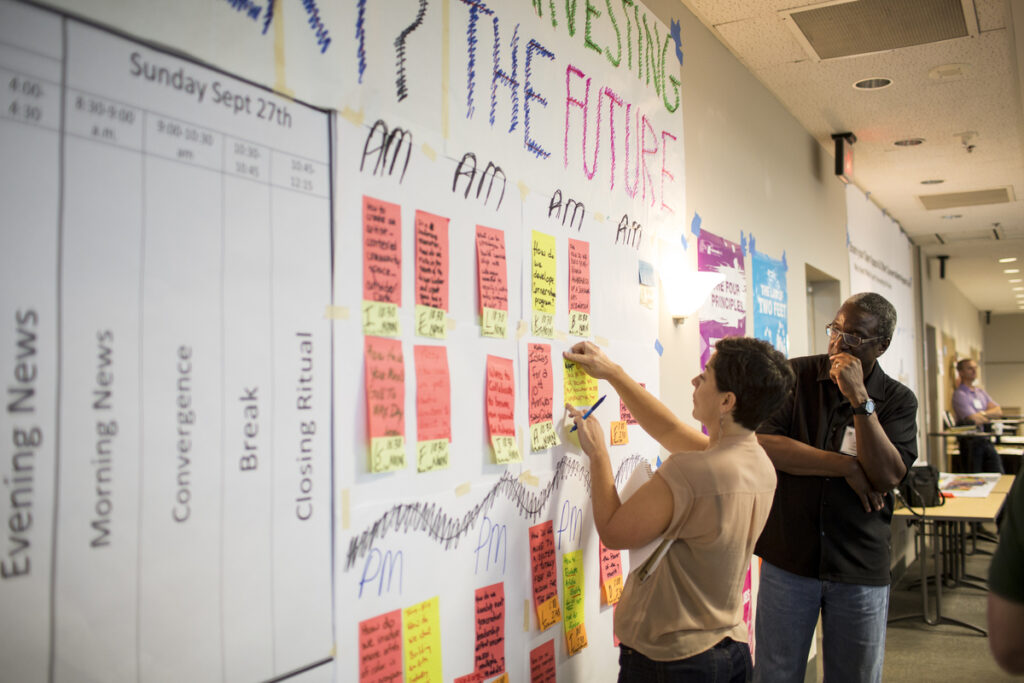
(851, 340)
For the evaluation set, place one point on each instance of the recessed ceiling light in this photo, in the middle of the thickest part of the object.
(933, 181)
(951, 216)
(1015, 280)
(872, 83)
(1011, 271)
(1018, 289)
(909, 142)
(1008, 259)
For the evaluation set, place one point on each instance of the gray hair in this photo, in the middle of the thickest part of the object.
(878, 306)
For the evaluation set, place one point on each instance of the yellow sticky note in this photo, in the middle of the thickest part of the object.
(421, 626)
(580, 388)
(432, 455)
(387, 453)
(549, 613)
(579, 324)
(494, 323)
(380, 319)
(431, 322)
(503, 678)
(543, 324)
(544, 271)
(543, 436)
(612, 590)
(575, 590)
(505, 449)
(620, 433)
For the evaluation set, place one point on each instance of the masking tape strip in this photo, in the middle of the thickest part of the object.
(524, 190)
(280, 84)
(599, 217)
(601, 341)
(429, 152)
(336, 312)
(528, 478)
(561, 336)
(526, 616)
(352, 116)
(450, 322)
(462, 489)
(521, 329)
(346, 517)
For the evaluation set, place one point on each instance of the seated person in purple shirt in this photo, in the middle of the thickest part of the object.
(973, 406)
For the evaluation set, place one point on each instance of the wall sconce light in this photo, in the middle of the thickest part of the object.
(687, 290)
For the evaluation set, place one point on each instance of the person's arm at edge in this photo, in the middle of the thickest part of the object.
(639, 520)
(1005, 629)
(652, 415)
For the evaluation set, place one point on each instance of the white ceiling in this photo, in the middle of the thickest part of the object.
(985, 99)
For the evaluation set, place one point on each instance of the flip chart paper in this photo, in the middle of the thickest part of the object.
(579, 288)
(575, 593)
(542, 569)
(382, 266)
(542, 663)
(489, 608)
(385, 403)
(492, 281)
(422, 627)
(580, 388)
(543, 278)
(380, 648)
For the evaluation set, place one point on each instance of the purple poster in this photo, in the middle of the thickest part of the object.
(724, 313)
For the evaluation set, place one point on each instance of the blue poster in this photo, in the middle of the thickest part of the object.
(771, 304)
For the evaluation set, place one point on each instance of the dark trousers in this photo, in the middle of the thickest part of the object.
(726, 662)
(980, 454)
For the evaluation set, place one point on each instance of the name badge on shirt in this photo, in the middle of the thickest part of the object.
(849, 445)
(978, 404)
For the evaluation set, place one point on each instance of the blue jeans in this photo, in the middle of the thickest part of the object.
(853, 623)
(726, 662)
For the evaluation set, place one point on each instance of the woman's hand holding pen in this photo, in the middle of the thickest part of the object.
(590, 432)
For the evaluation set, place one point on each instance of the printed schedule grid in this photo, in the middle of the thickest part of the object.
(166, 263)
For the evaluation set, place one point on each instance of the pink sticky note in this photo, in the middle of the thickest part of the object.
(543, 571)
(385, 387)
(380, 648)
(579, 276)
(431, 260)
(489, 607)
(501, 395)
(624, 413)
(611, 563)
(492, 269)
(475, 677)
(542, 384)
(382, 251)
(542, 663)
(433, 393)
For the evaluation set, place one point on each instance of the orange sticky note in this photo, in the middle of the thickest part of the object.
(431, 260)
(492, 268)
(545, 580)
(489, 608)
(576, 639)
(380, 648)
(619, 433)
(433, 393)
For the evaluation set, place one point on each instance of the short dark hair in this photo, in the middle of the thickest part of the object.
(878, 306)
(962, 363)
(757, 374)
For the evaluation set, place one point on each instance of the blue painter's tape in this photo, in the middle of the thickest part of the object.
(695, 224)
(646, 274)
(658, 347)
(677, 39)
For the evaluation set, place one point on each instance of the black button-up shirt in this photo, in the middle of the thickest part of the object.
(817, 526)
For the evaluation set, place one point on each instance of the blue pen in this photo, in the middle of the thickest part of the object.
(592, 409)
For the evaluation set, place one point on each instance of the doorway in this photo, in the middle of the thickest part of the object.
(823, 300)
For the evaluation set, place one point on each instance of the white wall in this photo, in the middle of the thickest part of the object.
(1002, 367)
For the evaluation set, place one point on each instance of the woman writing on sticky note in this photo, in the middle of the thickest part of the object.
(708, 501)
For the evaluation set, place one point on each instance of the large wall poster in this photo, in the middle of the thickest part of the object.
(724, 313)
(770, 298)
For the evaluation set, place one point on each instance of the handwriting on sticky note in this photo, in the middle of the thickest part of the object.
(543, 272)
(624, 413)
(380, 319)
(421, 625)
(576, 639)
(431, 260)
(385, 392)
(579, 276)
(380, 648)
(541, 383)
(575, 590)
(492, 269)
(542, 663)
(543, 570)
(580, 388)
(489, 608)
(382, 251)
(543, 436)
(500, 397)
(610, 563)
(433, 393)
(619, 433)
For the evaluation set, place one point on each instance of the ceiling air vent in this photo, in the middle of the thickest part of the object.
(856, 28)
(950, 200)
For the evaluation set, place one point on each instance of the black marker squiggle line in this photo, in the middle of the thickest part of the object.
(403, 91)
(446, 530)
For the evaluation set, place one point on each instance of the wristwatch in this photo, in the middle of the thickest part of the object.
(865, 408)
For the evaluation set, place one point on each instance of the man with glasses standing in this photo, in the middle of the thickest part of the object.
(842, 441)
